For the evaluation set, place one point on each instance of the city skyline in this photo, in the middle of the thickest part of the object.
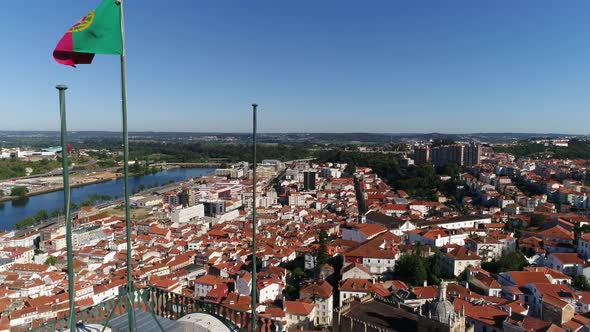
(412, 166)
(335, 67)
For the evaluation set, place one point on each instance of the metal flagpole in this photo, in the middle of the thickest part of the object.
(254, 293)
(130, 294)
(65, 172)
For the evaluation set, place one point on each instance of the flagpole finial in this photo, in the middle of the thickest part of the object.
(61, 87)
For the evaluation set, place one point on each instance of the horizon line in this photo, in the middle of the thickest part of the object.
(298, 133)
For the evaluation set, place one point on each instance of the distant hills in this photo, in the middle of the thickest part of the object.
(37, 136)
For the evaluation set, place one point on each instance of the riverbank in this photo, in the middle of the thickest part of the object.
(77, 180)
(17, 210)
(73, 184)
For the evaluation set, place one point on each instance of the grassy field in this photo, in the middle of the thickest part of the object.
(136, 214)
(12, 168)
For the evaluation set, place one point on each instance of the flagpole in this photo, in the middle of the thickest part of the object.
(130, 294)
(254, 285)
(66, 183)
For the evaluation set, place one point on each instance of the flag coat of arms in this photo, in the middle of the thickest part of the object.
(99, 32)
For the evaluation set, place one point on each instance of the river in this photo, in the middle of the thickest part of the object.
(14, 211)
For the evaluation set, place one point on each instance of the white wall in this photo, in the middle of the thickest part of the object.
(269, 293)
(188, 214)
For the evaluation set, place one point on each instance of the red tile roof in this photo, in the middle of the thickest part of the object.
(486, 314)
(299, 308)
(522, 278)
(568, 258)
(428, 292)
(323, 289)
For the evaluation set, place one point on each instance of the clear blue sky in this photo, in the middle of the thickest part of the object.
(313, 66)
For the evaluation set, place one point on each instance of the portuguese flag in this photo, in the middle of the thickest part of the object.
(99, 32)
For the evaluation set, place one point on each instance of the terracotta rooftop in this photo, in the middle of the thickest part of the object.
(299, 308)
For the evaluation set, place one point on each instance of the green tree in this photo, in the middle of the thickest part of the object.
(411, 269)
(417, 248)
(434, 271)
(537, 220)
(581, 282)
(184, 198)
(442, 141)
(88, 202)
(322, 253)
(509, 225)
(298, 273)
(464, 275)
(51, 260)
(107, 163)
(135, 167)
(291, 293)
(41, 215)
(19, 191)
(24, 223)
(513, 261)
(452, 170)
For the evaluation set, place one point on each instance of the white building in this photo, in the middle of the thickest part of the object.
(356, 270)
(567, 263)
(299, 315)
(205, 283)
(297, 199)
(322, 295)
(362, 232)
(584, 246)
(455, 260)
(437, 237)
(269, 290)
(88, 236)
(455, 223)
(188, 214)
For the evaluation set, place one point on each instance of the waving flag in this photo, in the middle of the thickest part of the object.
(99, 32)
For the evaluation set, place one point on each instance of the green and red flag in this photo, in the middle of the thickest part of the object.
(99, 32)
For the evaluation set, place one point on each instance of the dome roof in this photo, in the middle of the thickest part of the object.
(442, 310)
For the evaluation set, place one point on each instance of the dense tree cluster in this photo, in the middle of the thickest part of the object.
(415, 269)
(42, 214)
(537, 220)
(204, 152)
(576, 149)
(12, 168)
(512, 261)
(419, 181)
(19, 191)
(442, 141)
(581, 283)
